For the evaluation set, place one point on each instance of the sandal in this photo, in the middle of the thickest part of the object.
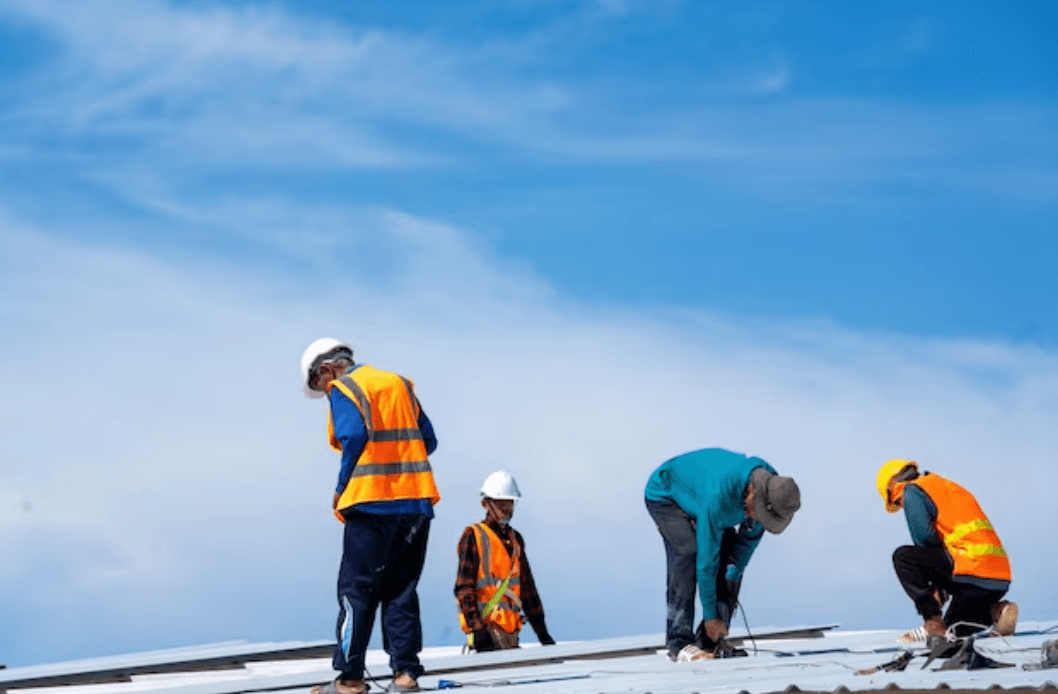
(335, 687)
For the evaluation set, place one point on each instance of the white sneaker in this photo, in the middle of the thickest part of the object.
(913, 636)
(691, 653)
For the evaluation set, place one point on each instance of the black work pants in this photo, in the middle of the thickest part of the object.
(922, 570)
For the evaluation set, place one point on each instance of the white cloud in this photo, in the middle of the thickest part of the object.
(170, 91)
(215, 81)
(153, 420)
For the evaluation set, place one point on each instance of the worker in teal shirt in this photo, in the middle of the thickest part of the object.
(712, 507)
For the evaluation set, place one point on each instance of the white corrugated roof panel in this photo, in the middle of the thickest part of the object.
(827, 662)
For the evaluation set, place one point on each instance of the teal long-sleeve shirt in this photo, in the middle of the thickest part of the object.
(709, 485)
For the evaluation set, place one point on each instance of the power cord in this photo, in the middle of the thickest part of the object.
(372, 678)
(745, 620)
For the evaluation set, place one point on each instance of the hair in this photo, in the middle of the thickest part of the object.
(340, 355)
(906, 474)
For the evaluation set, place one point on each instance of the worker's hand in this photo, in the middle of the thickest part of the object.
(334, 504)
(715, 629)
(483, 641)
(545, 639)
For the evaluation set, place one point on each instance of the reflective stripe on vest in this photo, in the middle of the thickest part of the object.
(393, 464)
(499, 581)
(964, 529)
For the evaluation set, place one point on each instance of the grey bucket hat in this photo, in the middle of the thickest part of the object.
(777, 499)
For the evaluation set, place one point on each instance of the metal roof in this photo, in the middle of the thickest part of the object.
(814, 658)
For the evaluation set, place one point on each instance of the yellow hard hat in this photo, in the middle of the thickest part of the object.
(886, 473)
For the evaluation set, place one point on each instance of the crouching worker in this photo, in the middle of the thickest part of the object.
(956, 553)
(696, 500)
(494, 585)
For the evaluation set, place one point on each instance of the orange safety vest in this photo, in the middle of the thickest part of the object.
(496, 567)
(393, 464)
(964, 529)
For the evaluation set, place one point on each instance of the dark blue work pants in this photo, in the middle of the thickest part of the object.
(677, 529)
(382, 559)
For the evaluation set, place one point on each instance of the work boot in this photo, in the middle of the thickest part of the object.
(403, 682)
(1005, 617)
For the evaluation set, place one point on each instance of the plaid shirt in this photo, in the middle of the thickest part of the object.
(467, 581)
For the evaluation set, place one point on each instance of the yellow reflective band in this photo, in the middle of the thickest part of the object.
(980, 550)
(961, 531)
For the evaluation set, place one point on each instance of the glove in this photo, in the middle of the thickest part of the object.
(483, 641)
(545, 639)
(715, 629)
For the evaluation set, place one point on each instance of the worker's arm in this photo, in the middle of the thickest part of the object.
(467, 580)
(747, 537)
(531, 603)
(350, 431)
(426, 428)
(921, 515)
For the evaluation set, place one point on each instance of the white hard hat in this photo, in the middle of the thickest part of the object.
(500, 485)
(319, 348)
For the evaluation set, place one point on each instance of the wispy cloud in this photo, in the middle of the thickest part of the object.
(219, 80)
(256, 88)
(155, 424)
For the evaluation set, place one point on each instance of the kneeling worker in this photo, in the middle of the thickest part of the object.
(494, 584)
(956, 553)
(696, 499)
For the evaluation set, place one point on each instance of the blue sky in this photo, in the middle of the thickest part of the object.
(596, 234)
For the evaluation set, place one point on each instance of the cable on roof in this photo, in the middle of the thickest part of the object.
(745, 620)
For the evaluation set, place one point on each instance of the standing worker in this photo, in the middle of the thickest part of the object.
(696, 500)
(494, 584)
(385, 497)
(956, 553)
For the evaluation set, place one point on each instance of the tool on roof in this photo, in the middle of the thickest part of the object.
(726, 650)
(967, 658)
(898, 664)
